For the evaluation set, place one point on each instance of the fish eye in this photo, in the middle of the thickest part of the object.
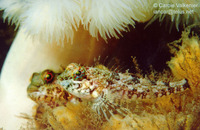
(48, 76)
(79, 74)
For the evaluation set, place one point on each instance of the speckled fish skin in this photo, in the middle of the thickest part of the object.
(98, 82)
(105, 89)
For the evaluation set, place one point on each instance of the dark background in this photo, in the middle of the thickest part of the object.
(7, 35)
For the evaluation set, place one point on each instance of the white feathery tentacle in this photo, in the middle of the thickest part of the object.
(47, 20)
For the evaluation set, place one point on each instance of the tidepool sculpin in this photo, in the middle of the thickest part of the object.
(99, 86)
(43, 89)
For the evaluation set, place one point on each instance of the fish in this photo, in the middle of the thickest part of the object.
(43, 89)
(104, 89)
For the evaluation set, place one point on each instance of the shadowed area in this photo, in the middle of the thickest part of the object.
(7, 35)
